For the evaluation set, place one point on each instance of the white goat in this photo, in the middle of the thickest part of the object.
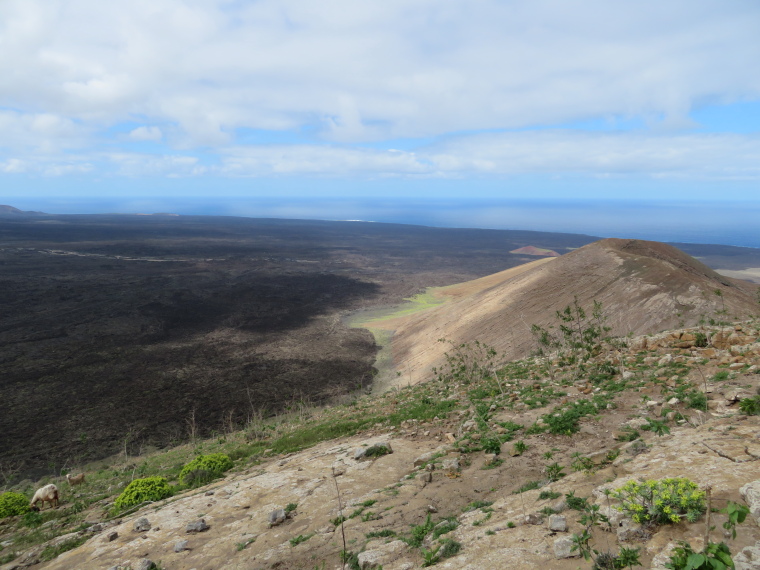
(75, 480)
(46, 494)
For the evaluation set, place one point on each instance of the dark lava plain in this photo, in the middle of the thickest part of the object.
(127, 331)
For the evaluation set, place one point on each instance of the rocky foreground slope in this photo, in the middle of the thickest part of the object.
(676, 404)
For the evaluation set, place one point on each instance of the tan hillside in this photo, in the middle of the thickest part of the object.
(644, 287)
(533, 250)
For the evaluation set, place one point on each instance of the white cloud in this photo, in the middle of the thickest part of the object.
(146, 134)
(40, 131)
(515, 153)
(362, 71)
(134, 164)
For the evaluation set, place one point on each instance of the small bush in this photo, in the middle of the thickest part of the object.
(32, 519)
(661, 501)
(554, 472)
(700, 340)
(444, 527)
(419, 533)
(491, 445)
(548, 495)
(575, 503)
(697, 400)
(721, 375)
(12, 504)
(205, 468)
(750, 406)
(139, 490)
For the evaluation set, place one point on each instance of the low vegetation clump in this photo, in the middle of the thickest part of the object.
(205, 468)
(295, 541)
(51, 552)
(564, 420)
(662, 501)
(12, 504)
(446, 549)
(750, 406)
(140, 490)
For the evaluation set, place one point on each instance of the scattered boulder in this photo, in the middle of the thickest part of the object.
(424, 458)
(557, 523)
(112, 536)
(277, 517)
(197, 526)
(563, 548)
(146, 564)
(378, 555)
(180, 545)
(451, 464)
(629, 530)
(534, 518)
(376, 450)
(141, 525)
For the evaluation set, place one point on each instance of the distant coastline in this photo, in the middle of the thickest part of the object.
(736, 224)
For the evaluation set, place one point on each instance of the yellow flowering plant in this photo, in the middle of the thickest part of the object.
(661, 501)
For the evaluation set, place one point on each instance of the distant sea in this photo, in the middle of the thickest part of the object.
(690, 222)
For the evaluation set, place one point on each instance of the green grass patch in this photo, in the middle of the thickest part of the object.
(386, 533)
(310, 435)
(296, 540)
(529, 486)
(422, 409)
(51, 552)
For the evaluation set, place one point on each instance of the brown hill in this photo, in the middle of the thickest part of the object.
(644, 286)
(11, 211)
(539, 251)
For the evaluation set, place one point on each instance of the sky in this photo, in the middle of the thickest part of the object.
(259, 106)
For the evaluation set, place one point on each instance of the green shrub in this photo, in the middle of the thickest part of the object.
(205, 468)
(697, 400)
(750, 406)
(575, 503)
(139, 490)
(386, 533)
(548, 495)
(715, 555)
(661, 501)
(419, 532)
(12, 504)
(700, 339)
(32, 519)
(721, 375)
(564, 420)
(627, 433)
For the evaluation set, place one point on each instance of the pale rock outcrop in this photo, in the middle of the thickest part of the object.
(563, 548)
(751, 495)
(748, 558)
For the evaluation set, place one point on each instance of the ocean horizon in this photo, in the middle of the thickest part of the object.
(736, 224)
